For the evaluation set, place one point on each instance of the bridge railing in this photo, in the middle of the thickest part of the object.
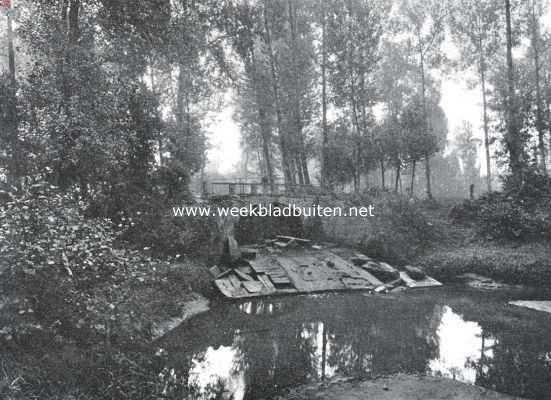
(211, 189)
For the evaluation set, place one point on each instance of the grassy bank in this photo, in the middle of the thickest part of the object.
(524, 263)
(459, 248)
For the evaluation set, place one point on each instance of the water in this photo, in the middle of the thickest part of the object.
(256, 349)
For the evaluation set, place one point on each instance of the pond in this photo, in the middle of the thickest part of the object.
(257, 349)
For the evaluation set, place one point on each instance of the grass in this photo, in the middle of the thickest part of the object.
(459, 249)
(525, 263)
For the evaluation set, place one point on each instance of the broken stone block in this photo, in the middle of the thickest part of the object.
(381, 271)
(415, 273)
(538, 305)
(360, 259)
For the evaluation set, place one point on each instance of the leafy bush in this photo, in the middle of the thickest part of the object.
(513, 218)
(145, 220)
(65, 269)
(518, 213)
(44, 232)
(403, 232)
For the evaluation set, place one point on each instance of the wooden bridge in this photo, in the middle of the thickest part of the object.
(246, 189)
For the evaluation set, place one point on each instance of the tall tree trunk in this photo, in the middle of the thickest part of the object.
(265, 130)
(159, 136)
(363, 112)
(354, 104)
(324, 128)
(323, 349)
(482, 69)
(382, 163)
(398, 168)
(180, 99)
(512, 138)
(74, 29)
(285, 161)
(425, 119)
(539, 111)
(412, 178)
(300, 171)
(14, 174)
(302, 164)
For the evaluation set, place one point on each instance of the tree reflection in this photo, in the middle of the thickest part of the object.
(275, 345)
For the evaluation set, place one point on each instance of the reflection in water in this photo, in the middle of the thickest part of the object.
(260, 307)
(462, 345)
(215, 371)
(316, 332)
(255, 349)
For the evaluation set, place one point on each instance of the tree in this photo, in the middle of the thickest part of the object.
(513, 140)
(283, 140)
(425, 20)
(397, 81)
(467, 152)
(535, 10)
(323, 67)
(475, 26)
(354, 32)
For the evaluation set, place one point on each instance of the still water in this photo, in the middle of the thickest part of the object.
(257, 349)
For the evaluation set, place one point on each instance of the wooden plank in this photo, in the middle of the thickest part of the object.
(253, 286)
(291, 238)
(290, 268)
(308, 274)
(349, 269)
(234, 280)
(246, 269)
(242, 275)
(270, 288)
(356, 283)
(412, 283)
(225, 287)
(281, 280)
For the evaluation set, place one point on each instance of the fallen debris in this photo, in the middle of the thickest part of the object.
(481, 282)
(382, 271)
(415, 272)
(538, 305)
(289, 265)
(360, 259)
(421, 283)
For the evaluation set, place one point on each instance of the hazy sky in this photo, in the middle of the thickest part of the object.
(458, 102)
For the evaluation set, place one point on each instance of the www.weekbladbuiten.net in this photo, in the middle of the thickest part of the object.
(270, 210)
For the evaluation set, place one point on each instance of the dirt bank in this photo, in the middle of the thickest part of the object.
(527, 263)
(398, 387)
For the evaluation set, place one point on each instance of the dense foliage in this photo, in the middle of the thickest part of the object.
(517, 213)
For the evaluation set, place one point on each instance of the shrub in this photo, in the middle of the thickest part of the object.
(145, 220)
(519, 213)
(57, 262)
(402, 233)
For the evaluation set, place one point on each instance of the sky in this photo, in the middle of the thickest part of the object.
(459, 102)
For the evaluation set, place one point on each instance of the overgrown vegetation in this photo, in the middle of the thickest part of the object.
(517, 213)
(72, 287)
(103, 121)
